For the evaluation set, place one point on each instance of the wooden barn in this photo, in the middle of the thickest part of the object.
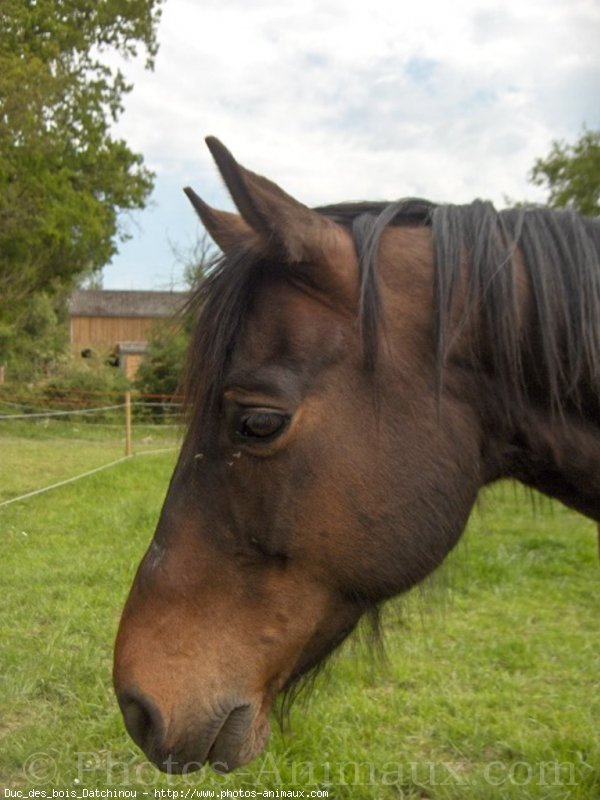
(118, 322)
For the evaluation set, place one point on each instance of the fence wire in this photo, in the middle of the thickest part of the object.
(44, 446)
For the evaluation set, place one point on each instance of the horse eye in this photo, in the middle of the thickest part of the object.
(261, 424)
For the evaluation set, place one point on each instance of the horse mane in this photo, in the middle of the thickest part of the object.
(557, 357)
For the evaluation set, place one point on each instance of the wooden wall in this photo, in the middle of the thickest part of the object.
(103, 333)
(130, 363)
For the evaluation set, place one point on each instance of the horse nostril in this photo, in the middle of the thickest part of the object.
(143, 720)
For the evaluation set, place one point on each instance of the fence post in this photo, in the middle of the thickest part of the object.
(128, 447)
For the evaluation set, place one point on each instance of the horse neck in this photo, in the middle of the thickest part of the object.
(546, 438)
(559, 455)
(542, 410)
(533, 332)
(516, 344)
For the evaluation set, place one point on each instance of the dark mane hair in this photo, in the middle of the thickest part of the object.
(560, 254)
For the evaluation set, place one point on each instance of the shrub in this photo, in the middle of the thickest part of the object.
(35, 342)
(162, 366)
(86, 382)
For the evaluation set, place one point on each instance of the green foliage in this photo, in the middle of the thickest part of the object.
(73, 382)
(162, 365)
(33, 343)
(85, 382)
(63, 177)
(571, 172)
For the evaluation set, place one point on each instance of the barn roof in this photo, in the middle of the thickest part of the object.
(101, 303)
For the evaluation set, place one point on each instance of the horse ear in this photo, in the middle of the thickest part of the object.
(296, 233)
(227, 230)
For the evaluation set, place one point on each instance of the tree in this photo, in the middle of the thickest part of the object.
(196, 259)
(32, 340)
(571, 172)
(163, 363)
(64, 178)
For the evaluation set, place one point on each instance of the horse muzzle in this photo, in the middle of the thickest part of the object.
(186, 741)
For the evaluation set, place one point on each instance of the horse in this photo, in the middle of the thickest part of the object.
(356, 374)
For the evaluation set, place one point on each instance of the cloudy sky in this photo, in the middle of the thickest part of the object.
(349, 100)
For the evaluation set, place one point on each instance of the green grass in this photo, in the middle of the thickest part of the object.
(38, 453)
(490, 686)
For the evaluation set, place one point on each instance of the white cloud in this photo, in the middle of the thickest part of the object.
(340, 100)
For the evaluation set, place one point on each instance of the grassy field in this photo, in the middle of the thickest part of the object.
(41, 452)
(490, 687)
